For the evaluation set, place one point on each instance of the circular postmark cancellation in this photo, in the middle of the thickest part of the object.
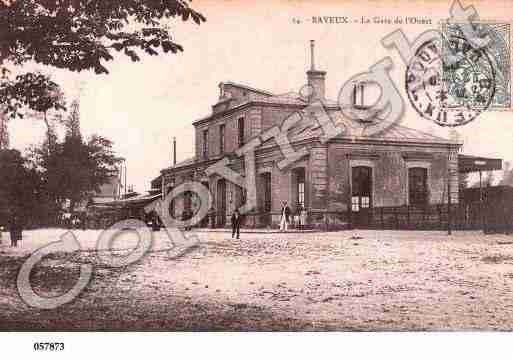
(450, 82)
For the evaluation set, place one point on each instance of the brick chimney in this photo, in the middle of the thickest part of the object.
(316, 78)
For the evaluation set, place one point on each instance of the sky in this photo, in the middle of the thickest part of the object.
(141, 106)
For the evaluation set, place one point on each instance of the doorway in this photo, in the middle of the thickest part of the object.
(267, 201)
(221, 203)
(361, 195)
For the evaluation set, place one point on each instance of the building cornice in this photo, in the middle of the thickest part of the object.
(251, 103)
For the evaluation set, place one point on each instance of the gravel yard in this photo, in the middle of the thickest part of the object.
(348, 280)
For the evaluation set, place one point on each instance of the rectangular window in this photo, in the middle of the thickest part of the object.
(361, 188)
(355, 204)
(240, 127)
(243, 196)
(301, 193)
(417, 186)
(266, 184)
(221, 139)
(300, 189)
(205, 144)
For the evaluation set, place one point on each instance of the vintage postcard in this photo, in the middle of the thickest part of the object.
(237, 166)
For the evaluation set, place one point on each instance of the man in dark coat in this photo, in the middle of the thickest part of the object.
(15, 230)
(236, 219)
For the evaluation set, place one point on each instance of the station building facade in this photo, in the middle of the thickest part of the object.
(350, 173)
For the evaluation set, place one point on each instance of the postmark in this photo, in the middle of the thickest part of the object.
(498, 48)
(450, 82)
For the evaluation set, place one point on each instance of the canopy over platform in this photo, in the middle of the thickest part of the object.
(137, 201)
(468, 164)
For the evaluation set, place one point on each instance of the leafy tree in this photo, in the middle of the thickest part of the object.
(4, 130)
(20, 187)
(73, 121)
(36, 92)
(75, 169)
(79, 35)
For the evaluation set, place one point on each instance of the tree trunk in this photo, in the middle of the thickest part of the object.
(3, 131)
(72, 204)
(48, 132)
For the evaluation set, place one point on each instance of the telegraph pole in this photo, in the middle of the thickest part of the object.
(125, 181)
(449, 195)
(174, 151)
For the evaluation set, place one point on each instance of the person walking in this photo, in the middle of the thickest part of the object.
(236, 223)
(285, 217)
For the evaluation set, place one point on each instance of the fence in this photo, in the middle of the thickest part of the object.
(496, 216)
(488, 216)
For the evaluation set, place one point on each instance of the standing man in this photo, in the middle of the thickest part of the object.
(236, 223)
(15, 230)
(299, 215)
(303, 216)
(285, 217)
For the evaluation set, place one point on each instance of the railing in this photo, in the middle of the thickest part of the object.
(487, 216)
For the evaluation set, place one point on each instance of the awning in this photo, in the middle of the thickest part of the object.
(468, 164)
(140, 200)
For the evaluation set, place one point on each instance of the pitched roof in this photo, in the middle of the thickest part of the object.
(186, 162)
(307, 128)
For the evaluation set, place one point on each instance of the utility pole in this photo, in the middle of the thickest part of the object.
(125, 181)
(449, 213)
(174, 151)
(481, 200)
(449, 194)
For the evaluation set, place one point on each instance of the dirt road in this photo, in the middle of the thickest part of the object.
(367, 280)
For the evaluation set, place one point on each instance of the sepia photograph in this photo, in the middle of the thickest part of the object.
(315, 168)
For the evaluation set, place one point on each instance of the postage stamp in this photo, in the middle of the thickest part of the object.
(495, 40)
(450, 82)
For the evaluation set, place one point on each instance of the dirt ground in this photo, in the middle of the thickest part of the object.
(349, 280)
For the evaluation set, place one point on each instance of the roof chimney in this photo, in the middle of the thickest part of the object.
(316, 79)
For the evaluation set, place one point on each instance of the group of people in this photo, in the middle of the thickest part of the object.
(286, 215)
(15, 231)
